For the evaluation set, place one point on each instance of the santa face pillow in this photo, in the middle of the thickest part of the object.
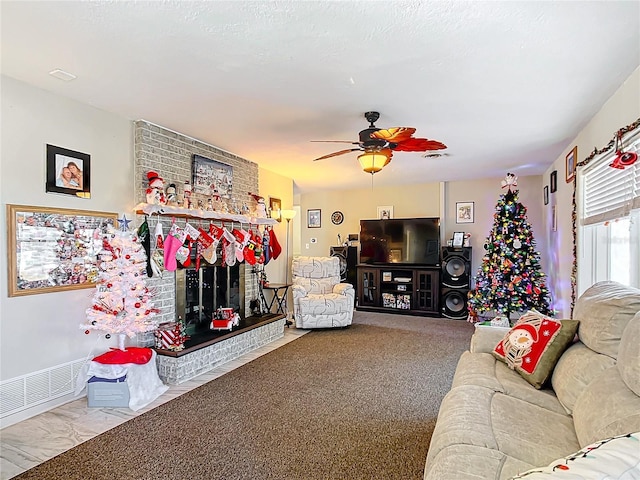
(533, 346)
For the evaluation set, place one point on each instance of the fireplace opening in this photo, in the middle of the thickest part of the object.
(200, 292)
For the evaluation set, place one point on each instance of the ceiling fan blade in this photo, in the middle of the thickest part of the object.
(419, 145)
(335, 154)
(395, 134)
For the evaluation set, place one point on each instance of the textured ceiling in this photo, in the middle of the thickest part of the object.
(506, 85)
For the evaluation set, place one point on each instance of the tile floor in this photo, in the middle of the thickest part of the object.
(33, 441)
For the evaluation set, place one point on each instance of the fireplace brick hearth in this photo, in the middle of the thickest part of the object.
(179, 367)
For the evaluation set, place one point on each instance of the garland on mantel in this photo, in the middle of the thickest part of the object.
(574, 214)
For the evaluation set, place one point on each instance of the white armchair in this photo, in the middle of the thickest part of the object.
(319, 299)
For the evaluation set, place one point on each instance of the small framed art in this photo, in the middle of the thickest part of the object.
(546, 194)
(571, 160)
(275, 206)
(464, 212)
(458, 240)
(68, 172)
(314, 219)
(553, 181)
(385, 212)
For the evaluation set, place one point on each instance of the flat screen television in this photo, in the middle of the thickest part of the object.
(413, 241)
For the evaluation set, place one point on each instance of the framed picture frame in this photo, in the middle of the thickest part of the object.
(53, 249)
(314, 218)
(275, 206)
(68, 172)
(571, 160)
(458, 240)
(546, 194)
(464, 212)
(554, 219)
(210, 177)
(385, 212)
(553, 181)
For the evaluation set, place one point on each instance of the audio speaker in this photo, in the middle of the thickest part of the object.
(455, 282)
(454, 303)
(456, 267)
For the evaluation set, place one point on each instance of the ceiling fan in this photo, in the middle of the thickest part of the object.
(379, 144)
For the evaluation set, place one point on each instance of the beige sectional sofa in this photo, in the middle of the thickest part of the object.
(494, 425)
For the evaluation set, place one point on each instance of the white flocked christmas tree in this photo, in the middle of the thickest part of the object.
(122, 303)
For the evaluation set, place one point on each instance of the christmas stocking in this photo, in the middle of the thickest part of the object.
(172, 243)
(241, 238)
(228, 248)
(145, 240)
(265, 246)
(202, 244)
(259, 250)
(157, 257)
(250, 251)
(275, 247)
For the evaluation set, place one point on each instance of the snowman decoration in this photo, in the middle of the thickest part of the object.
(155, 191)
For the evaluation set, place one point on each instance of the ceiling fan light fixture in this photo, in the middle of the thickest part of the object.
(373, 162)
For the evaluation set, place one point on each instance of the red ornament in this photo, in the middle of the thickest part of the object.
(87, 332)
(109, 285)
(147, 312)
(137, 304)
(115, 312)
(127, 257)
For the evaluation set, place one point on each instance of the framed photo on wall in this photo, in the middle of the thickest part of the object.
(275, 205)
(546, 194)
(385, 212)
(553, 181)
(314, 218)
(571, 161)
(68, 172)
(464, 212)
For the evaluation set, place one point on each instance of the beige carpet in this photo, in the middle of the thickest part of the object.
(355, 403)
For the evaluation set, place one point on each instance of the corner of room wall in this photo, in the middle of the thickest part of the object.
(621, 109)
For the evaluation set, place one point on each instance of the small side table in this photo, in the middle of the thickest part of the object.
(279, 298)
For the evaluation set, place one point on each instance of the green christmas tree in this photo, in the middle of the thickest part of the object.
(510, 279)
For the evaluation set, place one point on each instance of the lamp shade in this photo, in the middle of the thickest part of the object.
(373, 162)
(288, 214)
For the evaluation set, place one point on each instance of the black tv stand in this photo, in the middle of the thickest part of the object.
(397, 288)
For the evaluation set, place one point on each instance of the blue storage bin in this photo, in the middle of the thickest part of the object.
(108, 392)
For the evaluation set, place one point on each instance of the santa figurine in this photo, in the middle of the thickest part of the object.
(155, 191)
(261, 208)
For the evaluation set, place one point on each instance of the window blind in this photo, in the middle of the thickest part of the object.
(610, 193)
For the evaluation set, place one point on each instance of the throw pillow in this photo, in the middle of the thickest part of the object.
(615, 458)
(534, 345)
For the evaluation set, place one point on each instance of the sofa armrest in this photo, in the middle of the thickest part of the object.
(485, 338)
(343, 288)
(298, 291)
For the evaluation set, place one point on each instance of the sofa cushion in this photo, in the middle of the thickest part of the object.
(606, 408)
(577, 367)
(472, 462)
(532, 347)
(471, 415)
(616, 458)
(604, 311)
(483, 370)
(328, 304)
(629, 355)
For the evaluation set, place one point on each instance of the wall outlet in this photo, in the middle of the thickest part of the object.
(307, 246)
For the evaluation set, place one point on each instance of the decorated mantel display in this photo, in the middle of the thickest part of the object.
(510, 279)
(122, 303)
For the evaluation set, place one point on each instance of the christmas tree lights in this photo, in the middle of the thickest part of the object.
(510, 278)
(122, 303)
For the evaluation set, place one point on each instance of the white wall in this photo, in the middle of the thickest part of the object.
(622, 109)
(40, 331)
